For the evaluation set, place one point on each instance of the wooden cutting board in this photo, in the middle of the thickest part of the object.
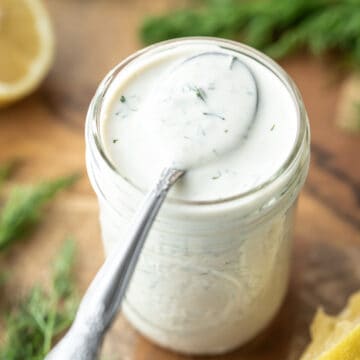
(46, 131)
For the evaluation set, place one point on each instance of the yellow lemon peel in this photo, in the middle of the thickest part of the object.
(336, 337)
(26, 47)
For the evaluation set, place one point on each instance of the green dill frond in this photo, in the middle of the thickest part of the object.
(42, 316)
(23, 207)
(277, 27)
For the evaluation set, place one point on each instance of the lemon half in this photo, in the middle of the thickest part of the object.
(336, 337)
(26, 47)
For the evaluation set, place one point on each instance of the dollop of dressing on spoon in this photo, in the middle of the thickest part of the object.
(218, 114)
(193, 116)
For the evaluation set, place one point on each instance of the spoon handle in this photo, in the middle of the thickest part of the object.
(102, 300)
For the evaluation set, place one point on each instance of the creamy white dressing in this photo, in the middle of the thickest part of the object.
(220, 115)
(213, 274)
(193, 115)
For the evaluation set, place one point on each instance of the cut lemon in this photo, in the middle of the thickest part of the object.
(26, 47)
(336, 337)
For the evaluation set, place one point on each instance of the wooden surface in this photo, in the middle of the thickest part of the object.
(46, 131)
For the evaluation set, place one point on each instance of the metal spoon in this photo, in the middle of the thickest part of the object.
(102, 300)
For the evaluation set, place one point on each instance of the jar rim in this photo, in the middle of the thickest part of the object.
(93, 120)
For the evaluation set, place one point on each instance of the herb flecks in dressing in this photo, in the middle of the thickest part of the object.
(214, 115)
(206, 109)
(200, 93)
(171, 116)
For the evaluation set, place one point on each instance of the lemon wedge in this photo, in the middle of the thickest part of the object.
(26, 47)
(336, 337)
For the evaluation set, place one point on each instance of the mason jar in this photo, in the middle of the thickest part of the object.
(212, 274)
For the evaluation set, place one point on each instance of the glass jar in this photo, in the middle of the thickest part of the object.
(212, 275)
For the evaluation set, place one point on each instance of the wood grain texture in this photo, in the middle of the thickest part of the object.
(46, 131)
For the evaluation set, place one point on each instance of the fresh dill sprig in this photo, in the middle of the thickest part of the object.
(36, 322)
(22, 209)
(278, 27)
